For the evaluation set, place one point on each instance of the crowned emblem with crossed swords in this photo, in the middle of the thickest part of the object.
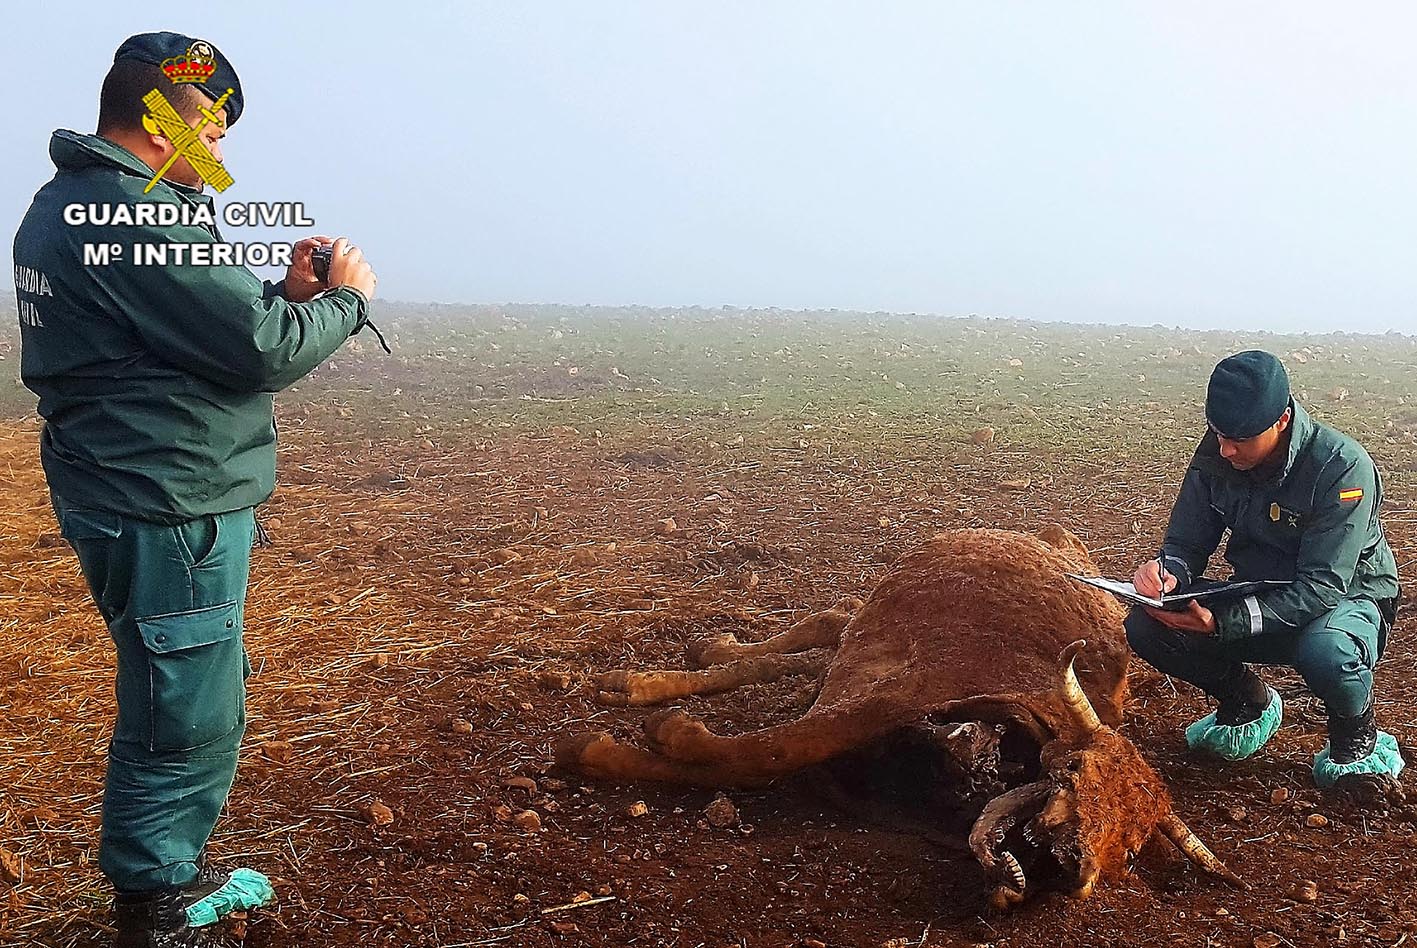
(197, 65)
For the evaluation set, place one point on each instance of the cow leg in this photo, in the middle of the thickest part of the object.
(691, 755)
(625, 688)
(599, 755)
(811, 739)
(818, 630)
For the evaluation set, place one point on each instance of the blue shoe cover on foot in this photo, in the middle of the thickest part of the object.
(245, 890)
(1384, 759)
(1236, 742)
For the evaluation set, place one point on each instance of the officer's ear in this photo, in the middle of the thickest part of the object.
(1284, 419)
(155, 134)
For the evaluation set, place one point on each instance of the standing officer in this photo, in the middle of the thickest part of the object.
(1301, 502)
(155, 383)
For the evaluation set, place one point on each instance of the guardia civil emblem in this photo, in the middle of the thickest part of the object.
(198, 64)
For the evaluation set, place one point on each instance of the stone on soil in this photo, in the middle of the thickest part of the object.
(378, 814)
(721, 813)
(279, 751)
(12, 867)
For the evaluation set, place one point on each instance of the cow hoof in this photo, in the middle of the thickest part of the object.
(625, 689)
(715, 650)
(612, 680)
(586, 753)
(678, 736)
(613, 688)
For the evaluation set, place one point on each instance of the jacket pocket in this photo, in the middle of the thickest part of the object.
(79, 524)
(195, 676)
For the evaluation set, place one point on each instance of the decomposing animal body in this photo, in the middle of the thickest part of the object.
(951, 673)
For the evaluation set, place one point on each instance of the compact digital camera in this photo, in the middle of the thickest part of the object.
(320, 259)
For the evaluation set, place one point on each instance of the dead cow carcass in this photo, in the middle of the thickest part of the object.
(951, 674)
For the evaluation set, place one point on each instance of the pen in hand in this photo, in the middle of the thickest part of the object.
(1161, 575)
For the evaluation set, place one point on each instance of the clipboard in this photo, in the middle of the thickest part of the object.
(1202, 591)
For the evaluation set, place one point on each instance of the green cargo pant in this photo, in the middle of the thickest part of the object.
(173, 598)
(1335, 654)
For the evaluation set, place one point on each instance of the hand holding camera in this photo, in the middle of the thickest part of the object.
(343, 264)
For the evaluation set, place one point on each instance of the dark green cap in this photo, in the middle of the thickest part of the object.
(1248, 393)
(157, 48)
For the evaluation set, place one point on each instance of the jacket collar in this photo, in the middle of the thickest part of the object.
(75, 151)
(1301, 428)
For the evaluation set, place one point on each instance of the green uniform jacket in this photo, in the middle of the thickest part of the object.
(155, 382)
(1314, 521)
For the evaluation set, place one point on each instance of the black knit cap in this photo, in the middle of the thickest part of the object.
(155, 48)
(1248, 393)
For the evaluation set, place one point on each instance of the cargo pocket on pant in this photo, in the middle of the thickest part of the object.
(91, 535)
(79, 524)
(195, 674)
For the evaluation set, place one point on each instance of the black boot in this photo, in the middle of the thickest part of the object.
(1352, 739)
(159, 920)
(1242, 701)
(145, 919)
(209, 879)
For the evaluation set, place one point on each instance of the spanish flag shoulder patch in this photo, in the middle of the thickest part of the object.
(1350, 493)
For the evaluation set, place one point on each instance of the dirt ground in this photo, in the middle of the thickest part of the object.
(464, 532)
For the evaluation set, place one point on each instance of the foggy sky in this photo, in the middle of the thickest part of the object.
(1199, 164)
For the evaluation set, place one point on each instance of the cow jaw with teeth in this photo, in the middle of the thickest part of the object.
(1094, 807)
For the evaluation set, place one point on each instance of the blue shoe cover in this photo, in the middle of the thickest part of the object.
(1238, 741)
(245, 890)
(1384, 759)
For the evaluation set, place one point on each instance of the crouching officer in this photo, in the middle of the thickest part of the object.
(155, 385)
(1301, 502)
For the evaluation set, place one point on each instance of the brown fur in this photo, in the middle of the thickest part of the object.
(1114, 798)
(968, 627)
(978, 616)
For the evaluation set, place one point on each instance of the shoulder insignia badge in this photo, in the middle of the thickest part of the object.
(1350, 493)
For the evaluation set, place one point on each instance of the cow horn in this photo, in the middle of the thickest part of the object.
(1195, 850)
(1073, 695)
(998, 817)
